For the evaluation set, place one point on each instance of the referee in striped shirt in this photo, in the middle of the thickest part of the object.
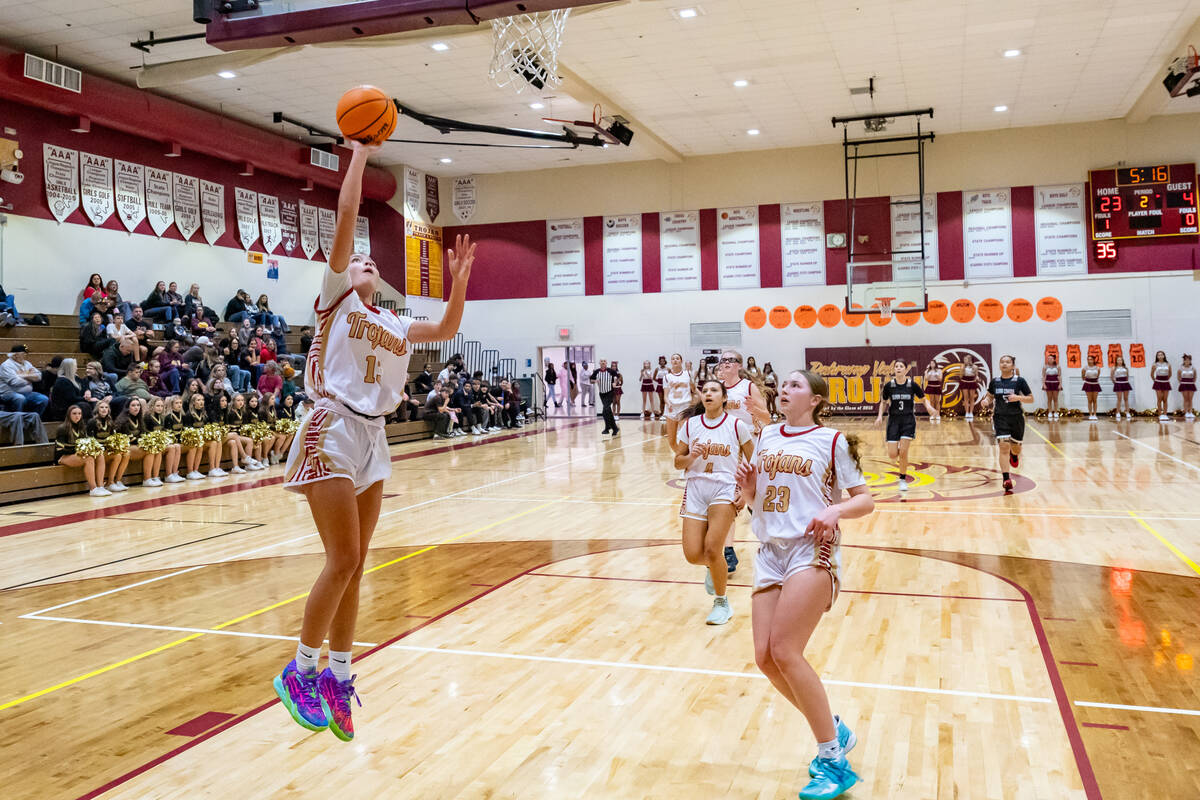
(603, 378)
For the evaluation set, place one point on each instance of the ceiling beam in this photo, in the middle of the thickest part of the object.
(1154, 97)
(585, 93)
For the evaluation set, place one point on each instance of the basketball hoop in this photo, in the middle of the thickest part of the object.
(885, 307)
(525, 50)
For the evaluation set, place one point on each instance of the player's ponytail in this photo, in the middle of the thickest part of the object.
(820, 388)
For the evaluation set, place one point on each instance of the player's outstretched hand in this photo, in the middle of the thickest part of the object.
(747, 475)
(461, 258)
(824, 525)
(369, 149)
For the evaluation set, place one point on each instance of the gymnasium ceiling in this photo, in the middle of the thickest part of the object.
(1081, 60)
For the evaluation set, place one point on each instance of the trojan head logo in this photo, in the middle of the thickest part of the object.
(938, 483)
(950, 362)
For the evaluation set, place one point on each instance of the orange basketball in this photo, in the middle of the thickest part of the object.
(367, 114)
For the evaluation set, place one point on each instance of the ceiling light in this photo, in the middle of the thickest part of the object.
(1000, 109)
(687, 13)
(226, 74)
(1011, 53)
(446, 160)
(537, 106)
(752, 132)
(441, 47)
(741, 83)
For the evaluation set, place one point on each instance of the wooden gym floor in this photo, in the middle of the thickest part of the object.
(529, 629)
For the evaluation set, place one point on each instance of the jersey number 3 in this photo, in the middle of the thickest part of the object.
(372, 376)
(777, 498)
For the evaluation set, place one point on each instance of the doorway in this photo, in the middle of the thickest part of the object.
(574, 395)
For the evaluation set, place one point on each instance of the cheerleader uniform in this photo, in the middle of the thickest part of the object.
(678, 392)
(712, 478)
(1121, 380)
(969, 378)
(101, 429)
(647, 382)
(801, 471)
(174, 423)
(1161, 373)
(64, 442)
(1053, 380)
(1187, 379)
(1091, 379)
(933, 386)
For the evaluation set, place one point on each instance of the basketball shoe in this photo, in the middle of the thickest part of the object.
(298, 692)
(833, 778)
(335, 702)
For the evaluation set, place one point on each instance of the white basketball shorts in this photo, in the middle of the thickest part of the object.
(779, 559)
(333, 444)
(700, 493)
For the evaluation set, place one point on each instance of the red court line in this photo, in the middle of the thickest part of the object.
(198, 725)
(748, 586)
(149, 765)
(167, 500)
(1102, 725)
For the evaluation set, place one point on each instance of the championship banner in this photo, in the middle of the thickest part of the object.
(679, 251)
(422, 259)
(362, 236)
(432, 203)
(987, 234)
(1062, 237)
(856, 375)
(802, 227)
(308, 229)
(326, 225)
(412, 193)
(96, 185)
(622, 247)
(268, 216)
(463, 197)
(564, 257)
(737, 248)
(60, 168)
(131, 194)
(160, 208)
(212, 210)
(906, 235)
(187, 205)
(289, 224)
(245, 203)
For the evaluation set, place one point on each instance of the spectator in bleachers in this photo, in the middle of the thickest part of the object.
(118, 302)
(270, 381)
(511, 403)
(9, 315)
(193, 306)
(118, 330)
(268, 351)
(195, 354)
(437, 407)
(490, 404)
(408, 410)
(66, 392)
(157, 306)
(94, 299)
(17, 377)
(93, 336)
(170, 360)
(423, 384)
(239, 307)
(245, 331)
(132, 385)
(141, 328)
(174, 298)
(116, 359)
(218, 384)
(305, 408)
(193, 387)
(180, 331)
(73, 429)
(95, 286)
(268, 317)
(153, 377)
(289, 384)
(95, 386)
(305, 339)
(242, 364)
(463, 403)
(483, 410)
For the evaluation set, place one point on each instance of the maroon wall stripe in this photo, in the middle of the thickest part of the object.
(770, 247)
(1024, 233)
(651, 254)
(511, 261)
(950, 236)
(593, 255)
(709, 275)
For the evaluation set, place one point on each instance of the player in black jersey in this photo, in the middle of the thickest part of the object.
(900, 394)
(1007, 392)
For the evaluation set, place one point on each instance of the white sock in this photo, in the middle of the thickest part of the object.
(339, 662)
(831, 750)
(306, 657)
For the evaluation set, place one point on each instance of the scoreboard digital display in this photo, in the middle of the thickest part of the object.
(1140, 202)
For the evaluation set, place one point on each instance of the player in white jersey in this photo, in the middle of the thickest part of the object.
(357, 369)
(794, 485)
(745, 402)
(710, 443)
(679, 392)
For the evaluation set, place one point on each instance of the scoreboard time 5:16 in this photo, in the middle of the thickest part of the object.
(1136, 202)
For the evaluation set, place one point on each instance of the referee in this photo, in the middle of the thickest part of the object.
(602, 379)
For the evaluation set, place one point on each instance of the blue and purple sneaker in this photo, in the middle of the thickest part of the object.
(298, 691)
(335, 702)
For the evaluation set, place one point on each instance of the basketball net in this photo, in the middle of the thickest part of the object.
(525, 50)
(885, 307)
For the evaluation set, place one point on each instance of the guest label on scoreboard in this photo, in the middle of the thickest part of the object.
(1137, 202)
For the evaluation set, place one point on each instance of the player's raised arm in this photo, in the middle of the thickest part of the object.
(459, 260)
(347, 210)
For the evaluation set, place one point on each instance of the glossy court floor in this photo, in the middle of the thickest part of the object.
(529, 629)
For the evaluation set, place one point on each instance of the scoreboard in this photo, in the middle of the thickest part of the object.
(1140, 202)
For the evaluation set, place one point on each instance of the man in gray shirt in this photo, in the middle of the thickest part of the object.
(16, 383)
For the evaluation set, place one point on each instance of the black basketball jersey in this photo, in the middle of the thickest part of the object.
(1000, 389)
(902, 397)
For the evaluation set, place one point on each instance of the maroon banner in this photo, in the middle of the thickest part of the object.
(289, 222)
(856, 375)
(432, 204)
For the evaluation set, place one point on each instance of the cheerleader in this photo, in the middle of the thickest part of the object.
(1160, 373)
(1091, 385)
(660, 373)
(710, 443)
(770, 390)
(900, 395)
(646, 378)
(260, 445)
(196, 418)
(1119, 375)
(357, 368)
(680, 391)
(745, 401)
(1051, 385)
(156, 420)
(71, 433)
(234, 417)
(100, 427)
(287, 422)
(1006, 393)
(968, 383)
(933, 391)
(268, 416)
(618, 390)
(132, 423)
(794, 485)
(1187, 386)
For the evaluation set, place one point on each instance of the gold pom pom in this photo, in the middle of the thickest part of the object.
(213, 432)
(286, 426)
(156, 442)
(191, 437)
(88, 447)
(116, 444)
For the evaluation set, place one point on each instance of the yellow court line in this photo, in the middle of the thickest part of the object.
(1195, 567)
(18, 701)
(1052, 444)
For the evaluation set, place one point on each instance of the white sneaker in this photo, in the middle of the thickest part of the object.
(100, 491)
(902, 484)
(195, 476)
(255, 465)
(237, 471)
(1091, 417)
(117, 487)
(721, 612)
(1189, 415)
(1163, 418)
(152, 482)
(217, 472)
(275, 458)
(174, 478)
(969, 415)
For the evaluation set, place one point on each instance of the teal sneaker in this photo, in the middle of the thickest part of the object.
(845, 738)
(721, 612)
(708, 584)
(833, 778)
(298, 691)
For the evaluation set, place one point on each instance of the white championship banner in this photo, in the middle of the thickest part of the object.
(463, 197)
(362, 236)
(245, 203)
(212, 210)
(802, 231)
(987, 234)
(906, 236)
(326, 224)
(160, 208)
(679, 251)
(60, 167)
(268, 217)
(737, 248)
(1062, 236)
(564, 257)
(131, 193)
(96, 187)
(308, 229)
(187, 205)
(623, 254)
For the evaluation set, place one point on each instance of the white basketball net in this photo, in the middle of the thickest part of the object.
(885, 308)
(525, 50)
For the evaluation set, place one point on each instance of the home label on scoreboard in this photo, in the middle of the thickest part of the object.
(1137, 202)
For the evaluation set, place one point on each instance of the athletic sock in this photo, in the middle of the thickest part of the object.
(339, 662)
(306, 657)
(830, 750)
(1005, 474)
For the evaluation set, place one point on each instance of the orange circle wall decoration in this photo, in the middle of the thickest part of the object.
(1020, 310)
(829, 315)
(755, 317)
(806, 316)
(1049, 309)
(909, 317)
(991, 310)
(962, 310)
(853, 320)
(781, 317)
(936, 313)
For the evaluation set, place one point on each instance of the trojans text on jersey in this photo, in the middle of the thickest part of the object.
(713, 449)
(362, 328)
(774, 463)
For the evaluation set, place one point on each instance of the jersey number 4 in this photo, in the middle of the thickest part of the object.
(777, 498)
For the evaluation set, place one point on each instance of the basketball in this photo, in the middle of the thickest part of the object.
(367, 114)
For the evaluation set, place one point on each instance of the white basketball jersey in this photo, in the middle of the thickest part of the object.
(721, 442)
(678, 388)
(801, 471)
(735, 401)
(359, 354)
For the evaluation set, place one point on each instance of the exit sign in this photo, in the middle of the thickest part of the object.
(564, 333)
